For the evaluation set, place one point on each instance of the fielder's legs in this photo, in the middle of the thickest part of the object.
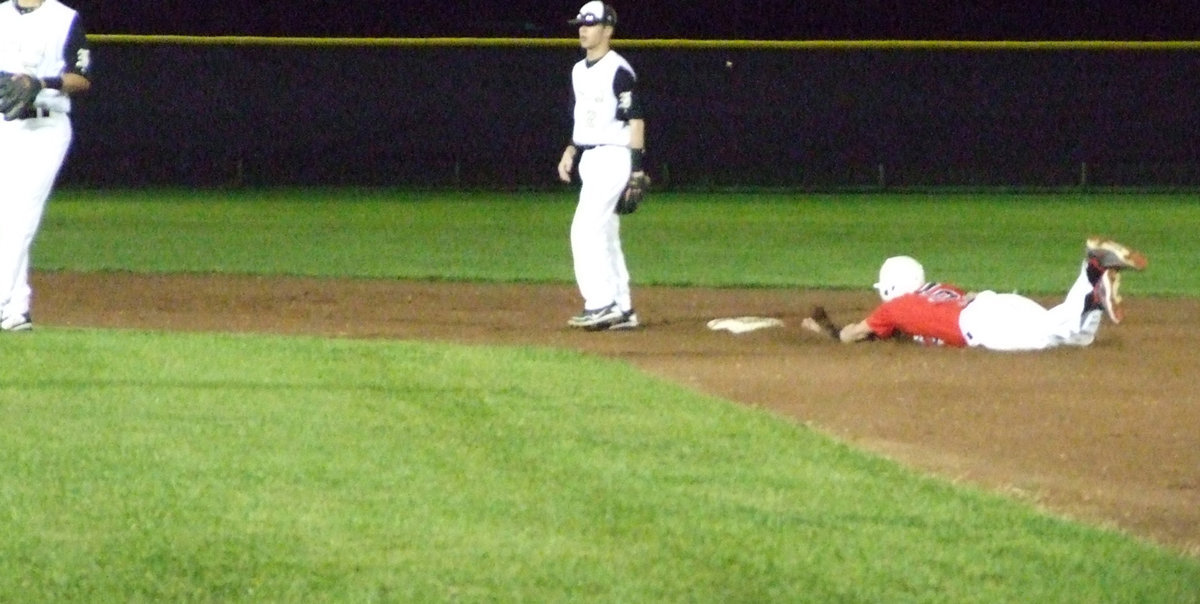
(29, 163)
(619, 271)
(600, 269)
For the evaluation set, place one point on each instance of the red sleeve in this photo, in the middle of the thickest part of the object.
(883, 321)
(930, 315)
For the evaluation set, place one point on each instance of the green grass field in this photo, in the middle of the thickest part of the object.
(1030, 242)
(217, 467)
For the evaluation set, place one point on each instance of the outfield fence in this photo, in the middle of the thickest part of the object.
(494, 113)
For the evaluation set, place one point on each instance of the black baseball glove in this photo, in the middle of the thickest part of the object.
(634, 193)
(17, 91)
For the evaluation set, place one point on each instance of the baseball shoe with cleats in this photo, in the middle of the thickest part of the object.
(22, 322)
(1106, 254)
(1106, 295)
(600, 318)
(629, 320)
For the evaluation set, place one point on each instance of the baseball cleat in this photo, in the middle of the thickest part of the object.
(1107, 296)
(629, 320)
(600, 318)
(17, 323)
(1110, 254)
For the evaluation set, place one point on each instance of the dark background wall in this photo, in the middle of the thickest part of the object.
(497, 117)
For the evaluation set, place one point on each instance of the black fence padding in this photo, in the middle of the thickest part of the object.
(498, 117)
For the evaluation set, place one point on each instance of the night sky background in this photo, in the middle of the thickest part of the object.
(732, 19)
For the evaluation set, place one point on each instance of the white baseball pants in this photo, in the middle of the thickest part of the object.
(600, 269)
(31, 153)
(1010, 322)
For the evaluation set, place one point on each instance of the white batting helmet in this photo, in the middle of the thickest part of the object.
(899, 275)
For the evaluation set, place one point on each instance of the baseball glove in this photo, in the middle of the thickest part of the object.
(634, 193)
(17, 91)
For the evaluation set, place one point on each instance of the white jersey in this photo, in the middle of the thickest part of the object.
(605, 102)
(601, 113)
(46, 43)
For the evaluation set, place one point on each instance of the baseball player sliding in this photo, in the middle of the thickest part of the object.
(608, 141)
(44, 59)
(942, 314)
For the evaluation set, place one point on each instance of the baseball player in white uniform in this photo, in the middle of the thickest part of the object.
(43, 45)
(608, 141)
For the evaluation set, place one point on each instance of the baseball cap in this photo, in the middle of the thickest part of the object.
(595, 13)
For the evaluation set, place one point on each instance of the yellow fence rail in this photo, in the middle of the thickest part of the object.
(1007, 45)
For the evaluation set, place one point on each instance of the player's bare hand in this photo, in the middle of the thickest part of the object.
(565, 165)
(810, 324)
(819, 322)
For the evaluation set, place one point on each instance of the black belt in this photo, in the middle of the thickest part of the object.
(33, 113)
(583, 148)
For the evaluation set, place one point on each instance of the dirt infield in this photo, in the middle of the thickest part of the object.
(1109, 434)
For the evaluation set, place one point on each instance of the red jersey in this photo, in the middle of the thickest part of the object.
(929, 314)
